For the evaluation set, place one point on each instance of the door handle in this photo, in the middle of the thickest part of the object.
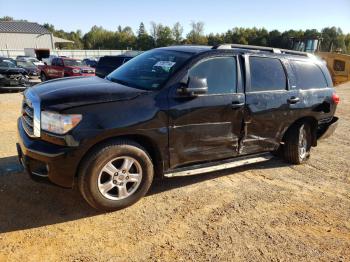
(237, 104)
(293, 100)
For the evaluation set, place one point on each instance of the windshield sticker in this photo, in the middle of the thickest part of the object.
(165, 65)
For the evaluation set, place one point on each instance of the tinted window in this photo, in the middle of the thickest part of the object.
(220, 72)
(54, 62)
(267, 74)
(111, 61)
(308, 75)
(150, 70)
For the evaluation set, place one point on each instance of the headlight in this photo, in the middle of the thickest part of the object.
(59, 123)
(76, 71)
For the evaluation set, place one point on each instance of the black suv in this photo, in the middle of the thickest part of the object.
(174, 111)
(107, 64)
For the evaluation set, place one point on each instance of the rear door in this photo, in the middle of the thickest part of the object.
(267, 106)
(207, 127)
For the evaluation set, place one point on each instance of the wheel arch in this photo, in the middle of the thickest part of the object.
(146, 142)
(313, 125)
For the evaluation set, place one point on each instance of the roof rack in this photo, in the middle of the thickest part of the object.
(262, 48)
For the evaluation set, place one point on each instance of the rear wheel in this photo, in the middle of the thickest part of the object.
(298, 143)
(115, 175)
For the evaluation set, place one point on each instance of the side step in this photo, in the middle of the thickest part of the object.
(221, 165)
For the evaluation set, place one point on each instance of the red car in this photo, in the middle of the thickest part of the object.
(63, 67)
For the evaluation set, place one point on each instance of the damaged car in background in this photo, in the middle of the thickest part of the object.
(11, 75)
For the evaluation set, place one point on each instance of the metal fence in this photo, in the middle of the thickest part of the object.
(80, 54)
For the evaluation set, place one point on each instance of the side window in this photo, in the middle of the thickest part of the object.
(338, 65)
(59, 62)
(308, 75)
(54, 62)
(220, 72)
(267, 74)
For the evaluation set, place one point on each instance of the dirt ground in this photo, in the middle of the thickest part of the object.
(263, 212)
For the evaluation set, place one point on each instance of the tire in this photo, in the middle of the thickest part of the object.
(43, 77)
(115, 175)
(298, 143)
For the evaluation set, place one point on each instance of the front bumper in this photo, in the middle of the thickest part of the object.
(41, 159)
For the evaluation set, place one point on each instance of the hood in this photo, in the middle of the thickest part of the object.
(12, 70)
(80, 67)
(69, 92)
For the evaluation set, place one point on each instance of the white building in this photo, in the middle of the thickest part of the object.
(19, 35)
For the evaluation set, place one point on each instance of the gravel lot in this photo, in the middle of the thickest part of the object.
(271, 211)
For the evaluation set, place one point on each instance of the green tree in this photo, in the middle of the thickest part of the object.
(177, 32)
(196, 35)
(144, 41)
(6, 18)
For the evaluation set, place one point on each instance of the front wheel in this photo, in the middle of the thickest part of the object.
(298, 143)
(115, 175)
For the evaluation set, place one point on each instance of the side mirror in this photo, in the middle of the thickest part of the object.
(195, 86)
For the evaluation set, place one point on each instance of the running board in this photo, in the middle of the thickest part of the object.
(211, 167)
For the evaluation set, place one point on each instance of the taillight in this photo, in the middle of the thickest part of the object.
(335, 98)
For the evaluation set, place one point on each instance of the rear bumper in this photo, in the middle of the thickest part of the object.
(326, 130)
(40, 159)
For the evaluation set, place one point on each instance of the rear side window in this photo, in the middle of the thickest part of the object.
(267, 74)
(308, 75)
(220, 72)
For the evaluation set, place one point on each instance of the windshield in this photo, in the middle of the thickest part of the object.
(7, 63)
(25, 64)
(150, 70)
(73, 62)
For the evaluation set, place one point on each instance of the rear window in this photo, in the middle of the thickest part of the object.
(111, 61)
(267, 74)
(308, 75)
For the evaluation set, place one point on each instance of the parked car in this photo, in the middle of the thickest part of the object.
(11, 75)
(30, 67)
(90, 62)
(34, 60)
(63, 67)
(9, 59)
(107, 64)
(175, 111)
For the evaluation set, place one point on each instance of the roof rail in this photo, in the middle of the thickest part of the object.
(261, 48)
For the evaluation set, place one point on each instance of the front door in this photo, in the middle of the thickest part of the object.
(207, 127)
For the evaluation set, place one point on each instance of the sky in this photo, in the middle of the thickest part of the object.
(218, 15)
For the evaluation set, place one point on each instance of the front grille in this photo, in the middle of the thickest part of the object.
(28, 118)
(31, 109)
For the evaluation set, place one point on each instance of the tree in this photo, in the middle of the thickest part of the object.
(6, 18)
(177, 32)
(216, 39)
(164, 36)
(196, 35)
(144, 41)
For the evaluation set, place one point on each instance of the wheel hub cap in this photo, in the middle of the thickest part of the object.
(120, 178)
